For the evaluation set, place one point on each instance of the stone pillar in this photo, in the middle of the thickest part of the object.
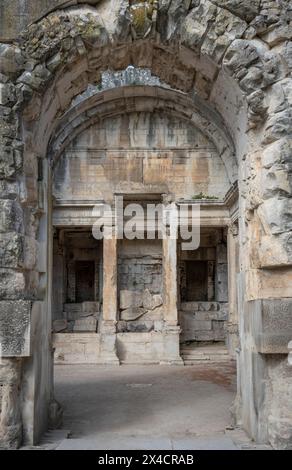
(10, 412)
(171, 331)
(233, 268)
(59, 283)
(108, 354)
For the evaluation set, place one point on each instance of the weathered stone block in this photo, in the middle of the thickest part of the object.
(7, 94)
(278, 126)
(273, 343)
(8, 190)
(10, 216)
(90, 307)
(196, 24)
(36, 79)
(12, 284)
(247, 10)
(11, 250)
(130, 299)
(202, 316)
(150, 302)
(54, 62)
(15, 328)
(223, 314)
(60, 325)
(278, 214)
(271, 325)
(158, 325)
(239, 56)
(277, 35)
(132, 313)
(278, 152)
(7, 162)
(277, 315)
(221, 33)
(276, 180)
(139, 326)
(204, 325)
(76, 348)
(202, 335)
(189, 306)
(85, 324)
(156, 314)
(208, 306)
(11, 59)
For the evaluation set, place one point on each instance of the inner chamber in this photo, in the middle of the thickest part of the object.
(146, 157)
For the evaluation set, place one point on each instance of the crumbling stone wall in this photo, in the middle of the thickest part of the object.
(230, 64)
(140, 285)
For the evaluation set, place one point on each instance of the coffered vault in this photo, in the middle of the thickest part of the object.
(225, 67)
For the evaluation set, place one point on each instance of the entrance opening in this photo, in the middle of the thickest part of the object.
(85, 278)
(77, 294)
(196, 280)
(203, 307)
(133, 301)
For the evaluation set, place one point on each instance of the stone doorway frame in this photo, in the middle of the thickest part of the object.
(260, 131)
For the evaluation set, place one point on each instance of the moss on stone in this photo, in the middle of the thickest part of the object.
(139, 18)
(204, 196)
(141, 14)
(92, 30)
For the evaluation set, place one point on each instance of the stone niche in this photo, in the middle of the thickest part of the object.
(77, 282)
(203, 309)
(140, 286)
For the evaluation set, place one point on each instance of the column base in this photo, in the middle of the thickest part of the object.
(232, 339)
(105, 360)
(171, 353)
(108, 346)
(175, 362)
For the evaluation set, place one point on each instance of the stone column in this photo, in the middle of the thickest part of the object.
(171, 331)
(233, 268)
(108, 353)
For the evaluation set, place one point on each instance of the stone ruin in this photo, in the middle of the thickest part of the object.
(165, 100)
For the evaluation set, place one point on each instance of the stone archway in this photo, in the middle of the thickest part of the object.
(234, 67)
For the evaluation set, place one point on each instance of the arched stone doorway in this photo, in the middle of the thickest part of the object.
(149, 148)
(237, 79)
